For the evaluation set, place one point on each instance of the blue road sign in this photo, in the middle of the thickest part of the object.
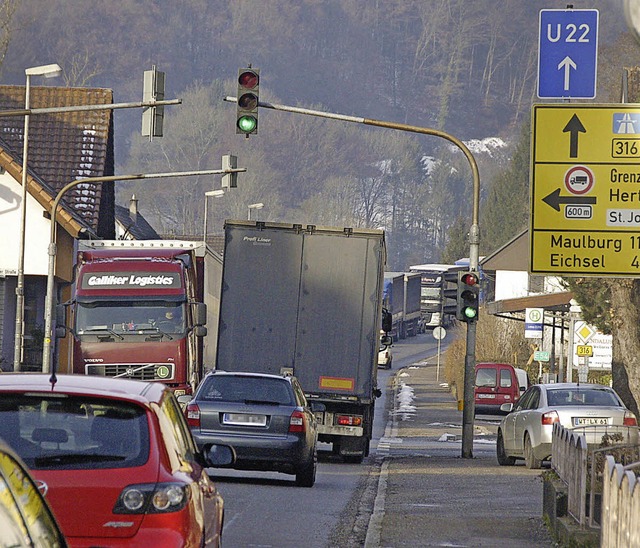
(568, 54)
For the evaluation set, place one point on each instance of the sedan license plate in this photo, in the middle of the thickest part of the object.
(244, 419)
(590, 421)
(487, 396)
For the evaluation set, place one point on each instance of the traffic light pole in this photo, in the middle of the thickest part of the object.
(474, 243)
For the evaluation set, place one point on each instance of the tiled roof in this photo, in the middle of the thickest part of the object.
(138, 228)
(64, 147)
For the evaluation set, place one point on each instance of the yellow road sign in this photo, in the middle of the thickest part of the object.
(584, 351)
(585, 190)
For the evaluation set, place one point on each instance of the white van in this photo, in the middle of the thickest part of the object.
(523, 379)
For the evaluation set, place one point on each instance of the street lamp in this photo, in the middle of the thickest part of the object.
(217, 194)
(48, 71)
(259, 205)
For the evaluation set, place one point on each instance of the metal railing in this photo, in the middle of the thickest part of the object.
(581, 465)
(620, 505)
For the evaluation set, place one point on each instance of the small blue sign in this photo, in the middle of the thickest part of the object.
(626, 123)
(568, 54)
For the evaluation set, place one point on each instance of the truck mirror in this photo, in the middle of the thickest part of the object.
(387, 320)
(386, 340)
(200, 314)
(61, 314)
(61, 321)
(200, 331)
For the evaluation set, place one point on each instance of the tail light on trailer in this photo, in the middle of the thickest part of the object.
(192, 413)
(297, 422)
(349, 420)
(550, 417)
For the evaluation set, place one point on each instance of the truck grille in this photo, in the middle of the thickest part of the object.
(141, 372)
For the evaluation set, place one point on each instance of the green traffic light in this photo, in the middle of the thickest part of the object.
(247, 123)
(470, 312)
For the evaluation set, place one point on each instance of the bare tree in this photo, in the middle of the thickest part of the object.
(80, 67)
(7, 11)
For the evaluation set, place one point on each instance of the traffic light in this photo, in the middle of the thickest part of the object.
(462, 300)
(450, 294)
(229, 180)
(247, 101)
(468, 296)
(153, 90)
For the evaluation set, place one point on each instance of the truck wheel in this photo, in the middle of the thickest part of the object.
(306, 475)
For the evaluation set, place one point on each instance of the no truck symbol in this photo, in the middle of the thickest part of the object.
(579, 180)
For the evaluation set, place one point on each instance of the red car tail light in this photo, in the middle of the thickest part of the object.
(296, 422)
(550, 417)
(349, 420)
(629, 419)
(152, 498)
(192, 413)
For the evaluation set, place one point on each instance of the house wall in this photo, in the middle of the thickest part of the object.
(37, 233)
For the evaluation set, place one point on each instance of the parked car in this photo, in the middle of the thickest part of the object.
(25, 516)
(591, 409)
(266, 418)
(495, 384)
(116, 458)
(385, 357)
(523, 380)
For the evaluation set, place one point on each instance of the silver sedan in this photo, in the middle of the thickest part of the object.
(592, 409)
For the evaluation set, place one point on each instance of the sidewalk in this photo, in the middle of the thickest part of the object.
(429, 496)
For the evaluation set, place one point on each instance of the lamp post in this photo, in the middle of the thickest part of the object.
(48, 71)
(259, 205)
(217, 194)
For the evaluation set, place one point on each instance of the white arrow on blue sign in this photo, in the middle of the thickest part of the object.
(568, 54)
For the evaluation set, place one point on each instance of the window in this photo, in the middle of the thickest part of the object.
(244, 388)
(486, 377)
(51, 433)
(505, 378)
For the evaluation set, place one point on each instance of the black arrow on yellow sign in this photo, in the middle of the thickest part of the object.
(574, 126)
(554, 200)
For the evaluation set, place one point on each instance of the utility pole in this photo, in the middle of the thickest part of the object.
(474, 243)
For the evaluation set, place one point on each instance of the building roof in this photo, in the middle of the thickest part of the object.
(514, 256)
(64, 147)
(135, 225)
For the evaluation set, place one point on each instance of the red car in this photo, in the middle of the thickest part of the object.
(115, 458)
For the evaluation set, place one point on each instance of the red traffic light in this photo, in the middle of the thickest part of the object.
(248, 79)
(469, 278)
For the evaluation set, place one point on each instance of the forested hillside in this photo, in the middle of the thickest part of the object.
(466, 67)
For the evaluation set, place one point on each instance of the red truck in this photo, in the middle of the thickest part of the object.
(140, 311)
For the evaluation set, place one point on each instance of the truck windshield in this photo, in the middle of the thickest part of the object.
(123, 317)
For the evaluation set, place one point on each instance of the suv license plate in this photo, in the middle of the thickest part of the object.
(244, 419)
(487, 396)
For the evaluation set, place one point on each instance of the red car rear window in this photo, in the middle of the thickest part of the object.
(53, 432)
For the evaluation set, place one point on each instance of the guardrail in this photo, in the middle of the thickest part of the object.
(581, 466)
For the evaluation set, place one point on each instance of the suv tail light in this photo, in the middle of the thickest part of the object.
(192, 413)
(297, 422)
(349, 420)
(152, 498)
(629, 419)
(550, 417)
